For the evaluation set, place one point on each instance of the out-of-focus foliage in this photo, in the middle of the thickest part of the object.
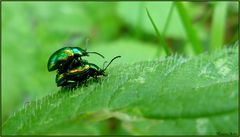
(32, 31)
(159, 11)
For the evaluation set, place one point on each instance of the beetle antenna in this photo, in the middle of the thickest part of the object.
(97, 54)
(104, 64)
(87, 41)
(111, 62)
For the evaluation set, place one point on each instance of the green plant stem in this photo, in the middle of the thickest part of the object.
(191, 34)
(218, 25)
(168, 19)
(161, 39)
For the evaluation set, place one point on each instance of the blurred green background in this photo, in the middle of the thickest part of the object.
(32, 31)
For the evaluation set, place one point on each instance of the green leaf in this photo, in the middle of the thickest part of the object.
(172, 96)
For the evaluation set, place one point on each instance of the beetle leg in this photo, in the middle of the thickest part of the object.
(71, 65)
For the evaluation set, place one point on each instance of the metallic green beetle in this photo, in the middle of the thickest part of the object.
(81, 74)
(65, 57)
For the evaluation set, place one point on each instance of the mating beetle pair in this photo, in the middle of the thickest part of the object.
(71, 68)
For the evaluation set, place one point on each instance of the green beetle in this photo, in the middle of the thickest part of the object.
(64, 58)
(81, 73)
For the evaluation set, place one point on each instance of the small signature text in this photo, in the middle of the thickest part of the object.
(226, 133)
